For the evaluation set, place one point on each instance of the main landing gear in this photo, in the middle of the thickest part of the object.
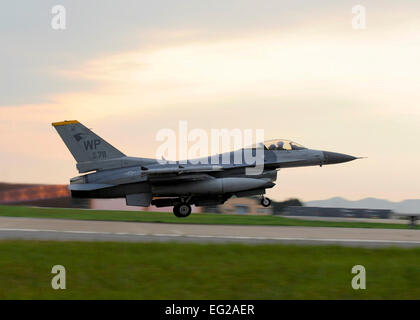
(265, 202)
(182, 210)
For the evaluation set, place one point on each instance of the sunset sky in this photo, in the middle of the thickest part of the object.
(296, 69)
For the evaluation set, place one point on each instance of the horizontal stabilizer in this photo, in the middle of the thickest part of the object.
(88, 186)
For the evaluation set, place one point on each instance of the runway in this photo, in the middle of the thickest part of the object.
(338, 219)
(79, 230)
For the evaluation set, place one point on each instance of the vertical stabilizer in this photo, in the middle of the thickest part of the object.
(84, 144)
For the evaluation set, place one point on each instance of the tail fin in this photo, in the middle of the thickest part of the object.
(83, 144)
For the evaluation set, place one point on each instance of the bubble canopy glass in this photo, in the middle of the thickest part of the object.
(281, 144)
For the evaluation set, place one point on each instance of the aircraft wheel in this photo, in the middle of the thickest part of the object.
(265, 202)
(182, 210)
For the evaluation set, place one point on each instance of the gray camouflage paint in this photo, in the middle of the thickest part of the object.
(203, 182)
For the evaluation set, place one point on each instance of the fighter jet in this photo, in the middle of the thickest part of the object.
(145, 181)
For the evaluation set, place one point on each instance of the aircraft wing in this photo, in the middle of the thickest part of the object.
(182, 169)
(181, 173)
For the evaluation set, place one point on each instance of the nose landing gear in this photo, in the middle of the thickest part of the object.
(265, 202)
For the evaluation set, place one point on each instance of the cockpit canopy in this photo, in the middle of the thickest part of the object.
(282, 144)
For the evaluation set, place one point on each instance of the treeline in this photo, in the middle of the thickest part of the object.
(279, 206)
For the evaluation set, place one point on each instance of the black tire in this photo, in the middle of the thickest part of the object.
(265, 202)
(182, 210)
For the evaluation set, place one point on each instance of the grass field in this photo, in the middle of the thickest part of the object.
(198, 271)
(208, 218)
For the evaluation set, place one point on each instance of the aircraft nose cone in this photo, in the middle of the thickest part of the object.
(334, 157)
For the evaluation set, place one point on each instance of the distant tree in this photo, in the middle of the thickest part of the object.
(293, 202)
(279, 206)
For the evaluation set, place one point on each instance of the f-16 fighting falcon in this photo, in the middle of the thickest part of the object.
(144, 181)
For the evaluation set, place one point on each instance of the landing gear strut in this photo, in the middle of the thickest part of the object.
(265, 202)
(182, 210)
